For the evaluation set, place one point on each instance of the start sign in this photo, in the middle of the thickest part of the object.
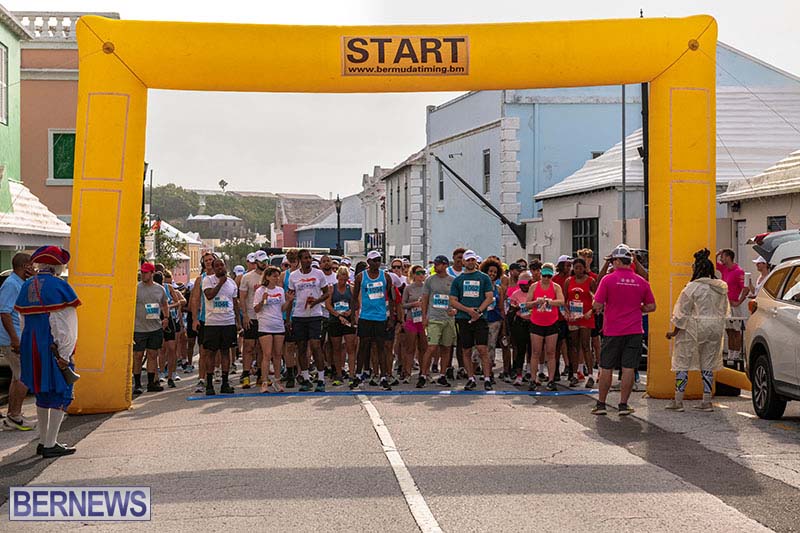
(405, 56)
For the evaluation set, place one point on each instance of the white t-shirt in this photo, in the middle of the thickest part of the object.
(247, 288)
(331, 279)
(305, 285)
(270, 318)
(219, 311)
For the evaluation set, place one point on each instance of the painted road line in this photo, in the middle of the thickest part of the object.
(416, 503)
(584, 392)
(722, 406)
(748, 415)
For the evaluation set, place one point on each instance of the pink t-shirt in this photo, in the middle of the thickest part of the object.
(623, 292)
(734, 277)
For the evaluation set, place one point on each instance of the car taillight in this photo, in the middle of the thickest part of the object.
(752, 306)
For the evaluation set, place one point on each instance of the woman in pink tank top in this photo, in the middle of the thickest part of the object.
(545, 298)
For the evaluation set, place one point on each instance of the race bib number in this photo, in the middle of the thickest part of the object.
(375, 290)
(523, 307)
(341, 306)
(220, 305)
(472, 289)
(152, 311)
(274, 299)
(576, 309)
(544, 308)
(441, 301)
(492, 306)
(416, 315)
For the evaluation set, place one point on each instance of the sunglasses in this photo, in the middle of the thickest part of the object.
(395, 267)
(419, 272)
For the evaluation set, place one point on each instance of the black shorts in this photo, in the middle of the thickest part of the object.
(307, 328)
(374, 329)
(263, 334)
(472, 333)
(149, 340)
(251, 332)
(169, 333)
(190, 332)
(219, 337)
(324, 331)
(337, 329)
(563, 330)
(622, 350)
(544, 331)
(598, 325)
(201, 332)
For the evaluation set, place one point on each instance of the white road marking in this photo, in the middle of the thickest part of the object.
(416, 503)
(723, 406)
(748, 415)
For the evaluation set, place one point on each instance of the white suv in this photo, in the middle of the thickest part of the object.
(773, 340)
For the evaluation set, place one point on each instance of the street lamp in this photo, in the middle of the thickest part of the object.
(338, 204)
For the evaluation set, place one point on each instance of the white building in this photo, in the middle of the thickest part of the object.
(373, 198)
(406, 233)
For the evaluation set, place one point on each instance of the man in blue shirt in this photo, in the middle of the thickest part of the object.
(470, 295)
(9, 340)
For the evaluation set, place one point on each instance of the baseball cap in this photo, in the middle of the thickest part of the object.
(239, 269)
(406, 261)
(622, 251)
(346, 261)
(373, 254)
(759, 259)
(441, 260)
(261, 256)
(148, 267)
(515, 266)
(251, 258)
(469, 254)
(564, 259)
(480, 259)
(315, 263)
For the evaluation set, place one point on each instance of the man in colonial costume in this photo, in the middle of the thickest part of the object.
(48, 305)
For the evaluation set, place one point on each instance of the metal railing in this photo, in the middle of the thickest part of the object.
(375, 241)
(54, 25)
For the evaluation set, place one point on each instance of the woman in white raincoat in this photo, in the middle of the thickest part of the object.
(699, 324)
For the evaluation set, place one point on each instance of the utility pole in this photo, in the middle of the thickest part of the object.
(624, 184)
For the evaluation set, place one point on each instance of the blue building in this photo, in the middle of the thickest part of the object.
(321, 232)
(512, 145)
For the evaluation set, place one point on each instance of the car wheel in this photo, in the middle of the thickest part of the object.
(766, 402)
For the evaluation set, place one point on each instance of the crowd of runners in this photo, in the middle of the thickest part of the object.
(321, 320)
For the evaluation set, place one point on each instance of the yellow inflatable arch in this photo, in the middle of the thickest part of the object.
(120, 60)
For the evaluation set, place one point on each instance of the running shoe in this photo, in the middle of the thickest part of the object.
(320, 386)
(336, 382)
(385, 384)
(226, 389)
(541, 376)
(435, 369)
(345, 376)
(20, 423)
(276, 386)
(58, 450)
(706, 407)
(518, 381)
(462, 373)
(201, 386)
(674, 405)
(527, 377)
(551, 386)
(137, 390)
(638, 387)
(421, 382)
(210, 390)
(290, 383)
(405, 380)
(625, 409)
(355, 383)
(449, 374)
(580, 376)
(507, 378)
(170, 383)
(443, 381)
(217, 375)
(470, 385)
(590, 382)
(534, 386)
(175, 376)
(245, 381)
(373, 382)
(487, 385)
(599, 409)
(188, 369)
(573, 381)
(154, 387)
(305, 386)
(395, 382)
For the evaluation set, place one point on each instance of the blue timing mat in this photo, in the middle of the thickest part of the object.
(396, 393)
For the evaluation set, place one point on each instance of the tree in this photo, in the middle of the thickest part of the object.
(172, 202)
(257, 212)
(235, 251)
(167, 248)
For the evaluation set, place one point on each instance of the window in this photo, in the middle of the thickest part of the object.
(792, 291)
(391, 211)
(3, 84)
(62, 157)
(776, 223)
(584, 234)
(398, 200)
(441, 183)
(487, 174)
(405, 192)
(774, 282)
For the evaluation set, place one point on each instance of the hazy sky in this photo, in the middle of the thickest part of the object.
(305, 142)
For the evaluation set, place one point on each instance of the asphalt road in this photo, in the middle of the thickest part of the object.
(407, 463)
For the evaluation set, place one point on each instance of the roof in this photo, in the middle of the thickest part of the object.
(781, 178)
(175, 233)
(417, 158)
(210, 217)
(54, 25)
(300, 211)
(752, 133)
(14, 25)
(351, 216)
(30, 216)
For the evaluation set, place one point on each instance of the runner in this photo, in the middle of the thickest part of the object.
(519, 325)
(545, 298)
(495, 313)
(413, 328)
(308, 288)
(372, 302)
(438, 320)
(623, 296)
(471, 294)
(10, 335)
(269, 305)
(578, 292)
(148, 331)
(175, 301)
(588, 255)
(289, 265)
(222, 322)
(197, 308)
(563, 271)
(248, 285)
(328, 270)
(733, 275)
(339, 325)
